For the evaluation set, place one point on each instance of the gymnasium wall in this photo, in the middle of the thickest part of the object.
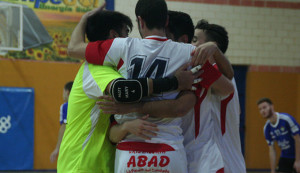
(48, 80)
(261, 32)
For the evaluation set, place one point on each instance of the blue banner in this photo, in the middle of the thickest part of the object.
(16, 128)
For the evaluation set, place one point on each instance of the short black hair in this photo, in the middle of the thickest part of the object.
(68, 86)
(181, 23)
(153, 12)
(100, 23)
(215, 33)
(264, 99)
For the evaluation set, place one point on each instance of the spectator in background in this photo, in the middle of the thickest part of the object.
(62, 120)
(284, 129)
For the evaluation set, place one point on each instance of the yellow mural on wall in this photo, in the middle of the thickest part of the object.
(59, 17)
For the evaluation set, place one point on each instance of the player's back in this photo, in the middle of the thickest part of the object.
(85, 143)
(156, 57)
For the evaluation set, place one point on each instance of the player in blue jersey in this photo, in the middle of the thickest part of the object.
(62, 119)
(284, 129)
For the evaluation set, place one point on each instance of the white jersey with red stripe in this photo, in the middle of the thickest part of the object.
(152, 57)
(203, 154)
(226, 117)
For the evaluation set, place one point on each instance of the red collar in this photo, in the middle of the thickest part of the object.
(158, 38)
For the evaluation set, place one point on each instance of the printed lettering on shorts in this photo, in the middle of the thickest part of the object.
(148, 162)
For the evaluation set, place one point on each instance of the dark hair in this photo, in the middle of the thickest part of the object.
(215, 33)
(68, 86)
(153, 12)
(100, 23)
(180, 23)
(264, 100)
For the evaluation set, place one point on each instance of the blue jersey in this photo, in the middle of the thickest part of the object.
(63, 113)
(282, 132)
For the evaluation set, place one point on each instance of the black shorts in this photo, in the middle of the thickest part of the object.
(286, 165)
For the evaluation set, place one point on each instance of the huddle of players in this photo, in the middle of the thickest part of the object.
(187, 131)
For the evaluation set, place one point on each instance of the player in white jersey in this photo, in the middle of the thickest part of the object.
(178, 30)
(203, 154)
(202, 151)
(226, 110)
(163, 58)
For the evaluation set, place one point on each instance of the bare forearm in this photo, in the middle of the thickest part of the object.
(117, 133)
(272, 155)
(77, 45)
(224, 65)
(60, 135)
(170, 108)
(222, 86)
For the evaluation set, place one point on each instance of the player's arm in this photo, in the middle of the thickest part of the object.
(210, 50)
(138, 127)
(295, 132)
(272, 152)
(77, 46)
(223, 86)
(163, 108)
(212, 77)
(170, 108)
(132, 90)
(272, 155)
(297, 154)
(55, 152)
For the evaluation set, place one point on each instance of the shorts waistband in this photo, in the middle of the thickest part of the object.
(144, 147)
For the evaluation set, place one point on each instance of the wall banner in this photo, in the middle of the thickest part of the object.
(16, 128)
(58, 17)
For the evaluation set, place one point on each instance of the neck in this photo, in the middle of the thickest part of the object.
(273, 119)
(158, 32)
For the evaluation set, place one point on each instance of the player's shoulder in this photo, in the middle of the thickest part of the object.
(285, 116)
(181, 44)
(127, 39)
(124, 41)
(64, 104)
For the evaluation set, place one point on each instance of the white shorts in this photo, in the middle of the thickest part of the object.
(140, 157)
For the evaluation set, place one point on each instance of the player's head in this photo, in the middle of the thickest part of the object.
(105, 25)
(151, 14)
(180, 27)
(205, 32)
(265, 107)
(67, 90)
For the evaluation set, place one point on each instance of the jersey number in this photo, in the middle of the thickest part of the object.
(155, 70)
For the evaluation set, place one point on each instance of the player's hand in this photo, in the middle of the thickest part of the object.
(109, 106)
(87, 14)
(203, 52)
(297, 166)
(53, 155)
(141, 127)
(186, 78)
